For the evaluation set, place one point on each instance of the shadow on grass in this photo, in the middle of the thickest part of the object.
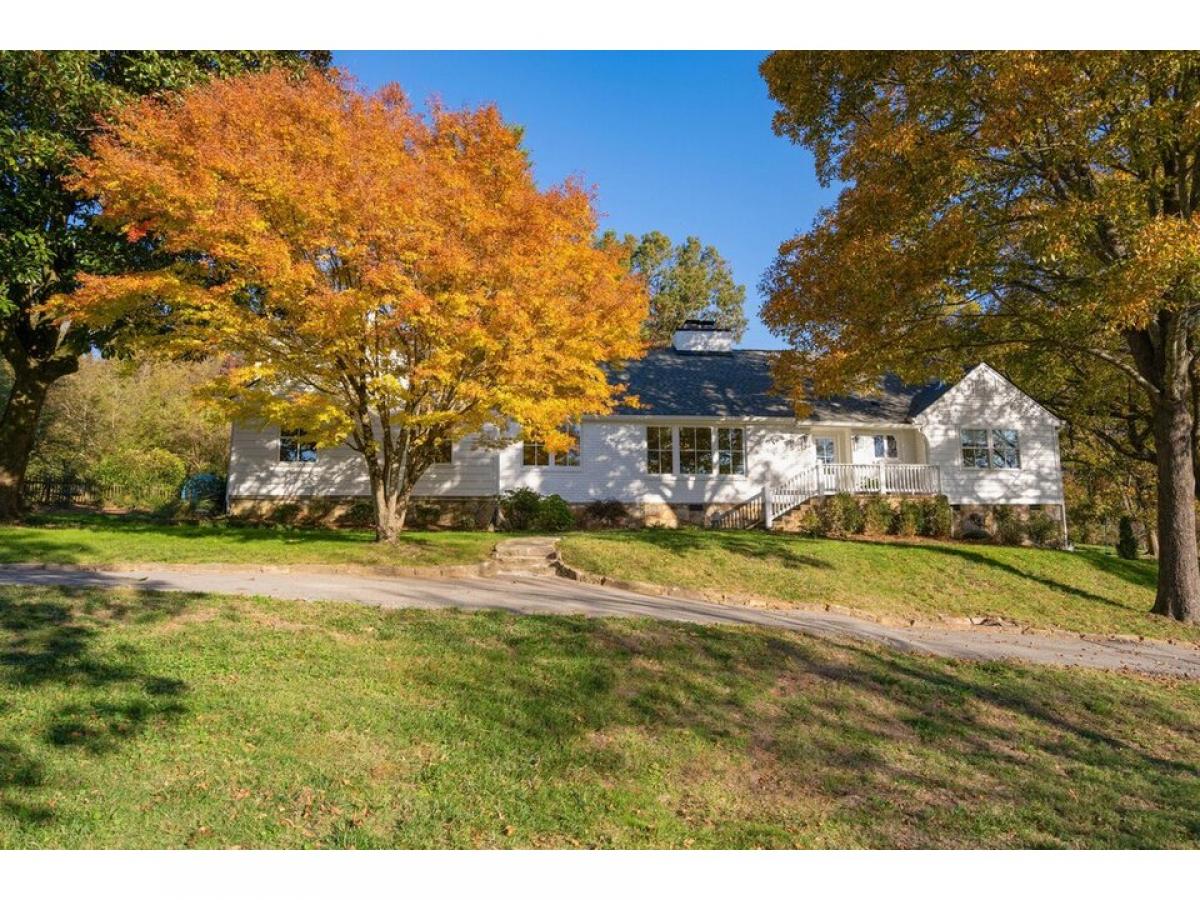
(41, 538)
(987, 560)
(777, 548)
(1141, 573)
(52, 639)
(901, 751)
(784, 550)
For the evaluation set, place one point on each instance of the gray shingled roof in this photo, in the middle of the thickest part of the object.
(738, 383)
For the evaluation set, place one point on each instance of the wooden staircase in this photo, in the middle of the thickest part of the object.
(771, 502)
(761, 510)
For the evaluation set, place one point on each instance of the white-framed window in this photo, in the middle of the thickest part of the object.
(826, 450)
(884, 446)
(571, 456)
(660, 450)
(991, 448)
(731, 451)
(695, 450)
(534, 453)
(1006, 448)
(702, 450)
(294, 449)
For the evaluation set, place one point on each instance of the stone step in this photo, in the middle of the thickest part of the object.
(525, 553)
(525, 570)
(526, 556)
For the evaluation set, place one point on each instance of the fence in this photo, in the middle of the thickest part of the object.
(79, 492)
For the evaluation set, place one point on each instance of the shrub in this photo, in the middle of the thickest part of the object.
(553, 514)
(909, 520)
(937, 518)
(840, 515)
(423, 514)
(520, 507)
(1009, 528)
(1042, 529)
(202, 488)
(318, 510)
(286, 513)
(207, 508)
(1127, 545)
(807, 522)
(360, 514)
(609, 512)
(142, 476)
(876, 516)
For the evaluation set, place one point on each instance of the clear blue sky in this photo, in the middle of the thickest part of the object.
(679, 142)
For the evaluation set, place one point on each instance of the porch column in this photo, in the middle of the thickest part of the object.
(882, 477)
(768, 512)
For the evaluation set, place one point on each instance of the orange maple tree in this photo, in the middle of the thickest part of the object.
(376, 276)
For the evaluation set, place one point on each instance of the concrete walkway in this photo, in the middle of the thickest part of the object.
(560, 596)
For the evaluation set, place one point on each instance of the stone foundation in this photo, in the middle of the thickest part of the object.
(673, 515)
(480, 512)
(358, 512)
(973, 517)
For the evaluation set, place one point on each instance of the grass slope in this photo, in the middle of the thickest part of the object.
(1090, 590)
(92, 539)
(142, 720)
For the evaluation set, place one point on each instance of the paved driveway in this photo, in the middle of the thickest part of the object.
(560, 596)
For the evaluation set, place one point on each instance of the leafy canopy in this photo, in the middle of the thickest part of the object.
(50, 103)
(993, 203)
(360, 263)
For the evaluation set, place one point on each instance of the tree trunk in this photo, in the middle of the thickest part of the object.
(1151, 539)
(18, 428)
(1178, 566)
(391, 508)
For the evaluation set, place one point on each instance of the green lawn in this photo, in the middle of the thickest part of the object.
(1090, 590)
(94, 539)
(143, 720)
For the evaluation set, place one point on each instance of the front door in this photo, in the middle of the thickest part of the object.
(826, 449)
(870, 450)
(874, 448)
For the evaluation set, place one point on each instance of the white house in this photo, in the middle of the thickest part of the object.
(712, 443)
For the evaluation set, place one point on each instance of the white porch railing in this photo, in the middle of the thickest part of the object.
(826, 478)
(878, 478)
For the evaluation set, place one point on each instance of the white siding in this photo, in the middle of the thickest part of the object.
(986, 400)
(613, 464)
(255, 470)
(613, 457)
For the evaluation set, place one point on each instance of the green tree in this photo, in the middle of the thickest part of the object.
(686, 281)
(1009, 206)
(113, 406)
(50, 105)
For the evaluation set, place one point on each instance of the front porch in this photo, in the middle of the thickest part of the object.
(821, 479)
